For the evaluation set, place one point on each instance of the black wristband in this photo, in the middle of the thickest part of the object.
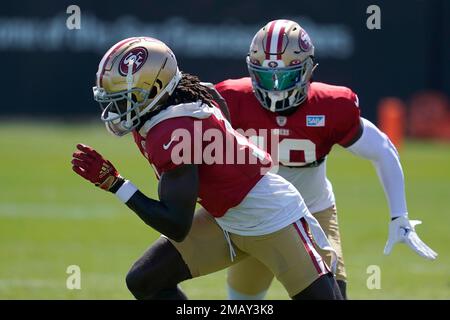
(116, 186)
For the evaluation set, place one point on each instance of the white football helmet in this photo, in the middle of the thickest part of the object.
(280, 63)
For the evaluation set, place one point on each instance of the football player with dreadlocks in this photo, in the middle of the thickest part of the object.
(142, 91)
(308, 118)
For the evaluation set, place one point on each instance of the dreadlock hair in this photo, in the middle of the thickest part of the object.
(189, 90)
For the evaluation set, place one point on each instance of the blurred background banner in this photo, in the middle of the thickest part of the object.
(49, 69)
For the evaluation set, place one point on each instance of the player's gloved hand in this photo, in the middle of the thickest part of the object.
(401, 229)
(89, 164)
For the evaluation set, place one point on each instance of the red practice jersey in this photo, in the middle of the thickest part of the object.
(225, 177)
(329, 116)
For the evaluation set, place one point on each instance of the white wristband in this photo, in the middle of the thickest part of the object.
(126, 191)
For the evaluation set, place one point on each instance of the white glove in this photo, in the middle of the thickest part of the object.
(402, 230)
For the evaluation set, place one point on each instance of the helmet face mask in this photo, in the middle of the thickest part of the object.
(280, 64)
(276, 79)
(120, 110)
(115, 108)
(130, 86)
(279, 89)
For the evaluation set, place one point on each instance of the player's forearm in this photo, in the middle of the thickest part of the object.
(178, 188)
(155, 213)
(390, 172)
(376, 147)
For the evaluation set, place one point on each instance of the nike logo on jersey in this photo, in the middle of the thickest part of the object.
(167, 145)
(315, 121)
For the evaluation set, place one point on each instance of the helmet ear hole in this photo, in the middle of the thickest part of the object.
(155, 89)
(153, 92)
(159, 83)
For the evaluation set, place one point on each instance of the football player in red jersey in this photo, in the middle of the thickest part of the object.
(198, 156)
(308, 118)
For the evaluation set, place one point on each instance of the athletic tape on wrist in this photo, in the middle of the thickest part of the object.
(126, 191)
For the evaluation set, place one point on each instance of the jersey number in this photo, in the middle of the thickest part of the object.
(259, 153)
(287, 147)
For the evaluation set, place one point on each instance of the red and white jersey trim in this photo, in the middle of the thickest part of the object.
(302, 228)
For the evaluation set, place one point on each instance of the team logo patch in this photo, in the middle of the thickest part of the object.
(281, 121)
(273, 64)
(304, 41)
(138, 55)
(315, 121)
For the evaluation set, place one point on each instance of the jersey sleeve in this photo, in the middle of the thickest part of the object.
(170, 144)
(232, 99)
(346, 118)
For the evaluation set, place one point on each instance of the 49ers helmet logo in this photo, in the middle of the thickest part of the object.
(138, 54)
(304, 41)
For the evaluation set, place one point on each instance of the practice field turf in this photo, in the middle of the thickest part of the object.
(50, 219)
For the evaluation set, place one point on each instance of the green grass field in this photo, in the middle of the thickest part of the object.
(50, 219)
